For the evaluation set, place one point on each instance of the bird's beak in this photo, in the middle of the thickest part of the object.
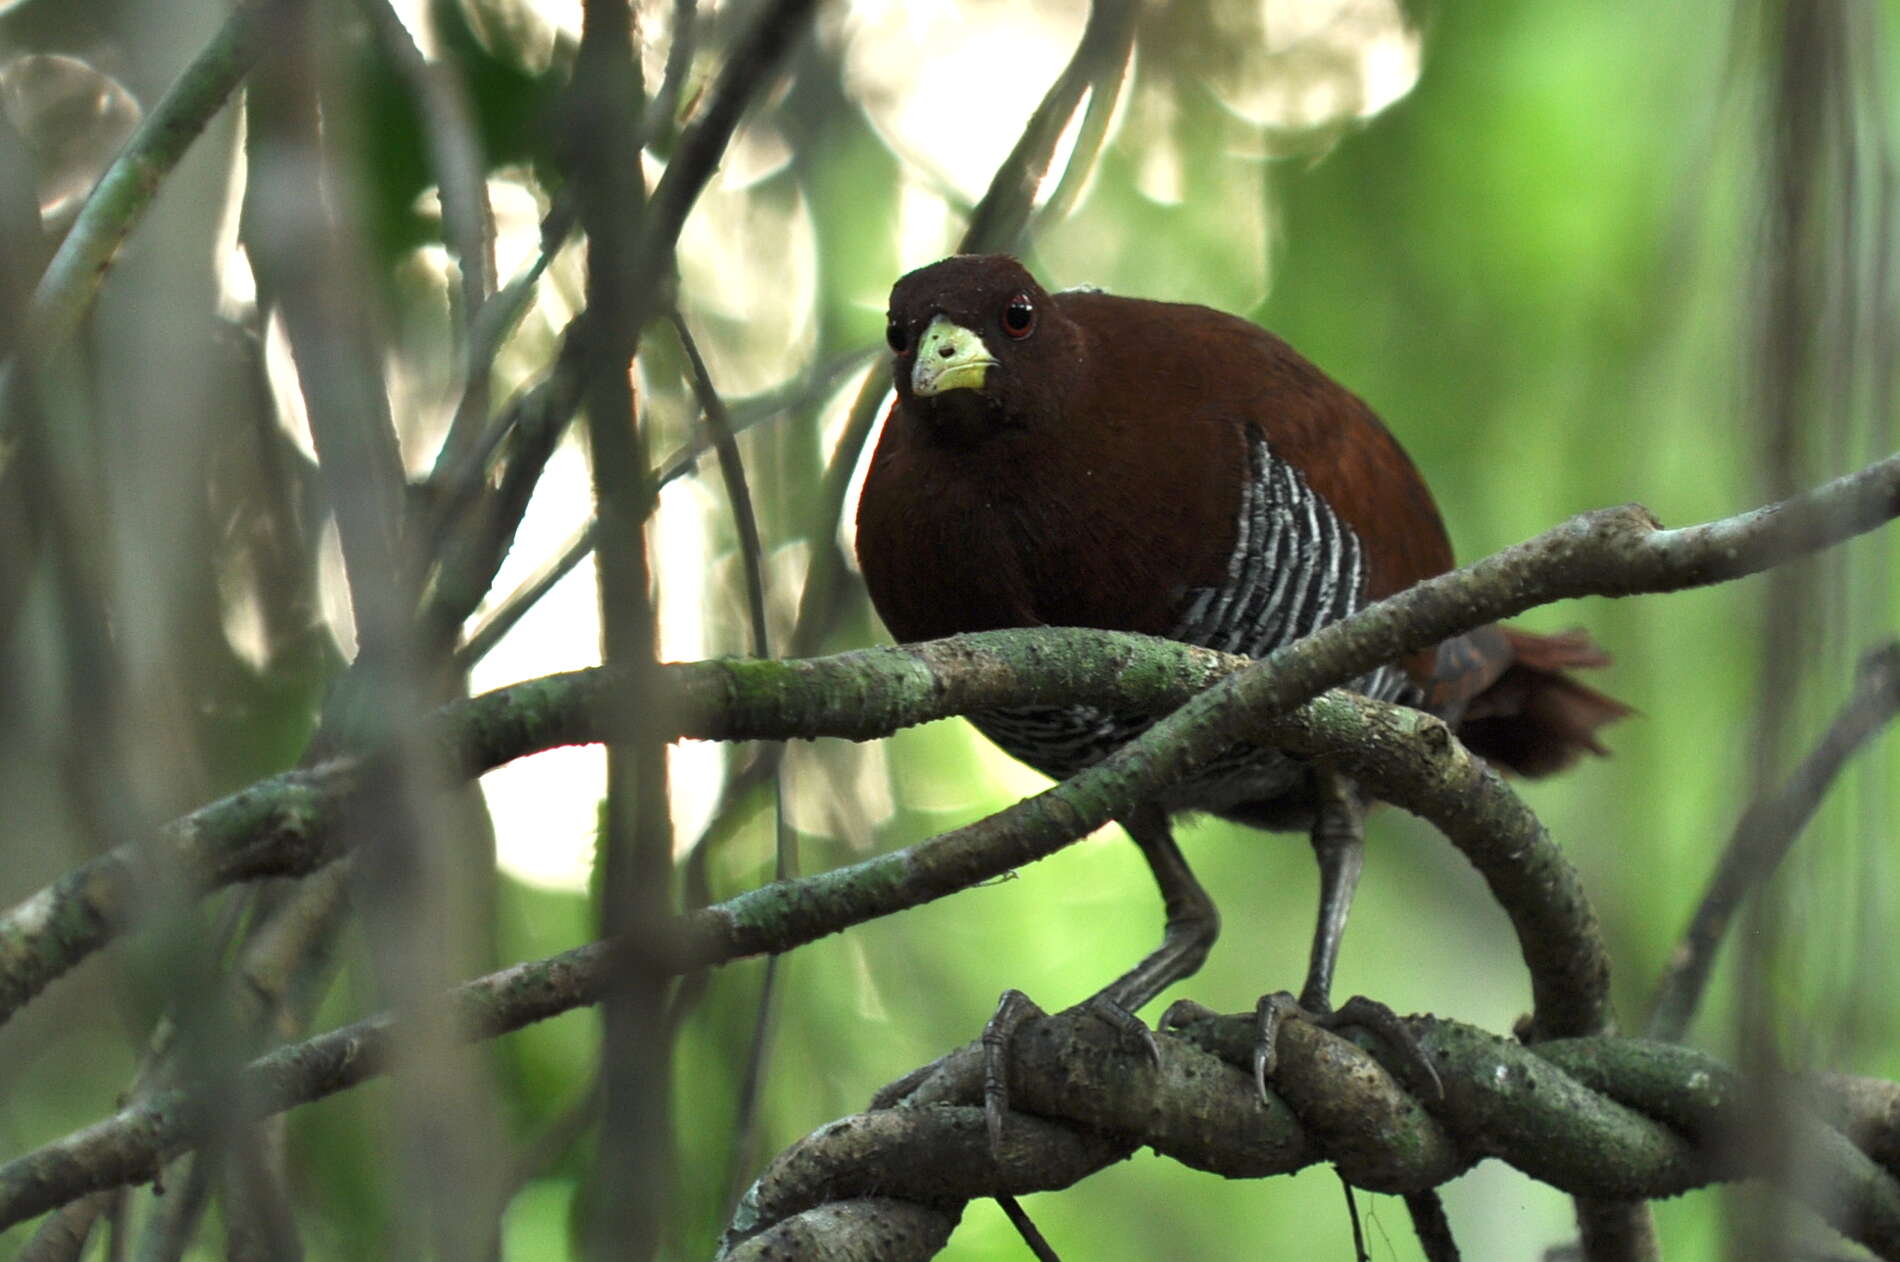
(950, 357)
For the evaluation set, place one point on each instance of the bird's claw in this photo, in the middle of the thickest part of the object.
(1359, 1012)
(999, 1033)
(1267, 1016)
(1131, 1028)
(1012, 1009)
(1185, 1012)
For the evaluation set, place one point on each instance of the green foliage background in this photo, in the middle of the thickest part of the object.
(1542, 267)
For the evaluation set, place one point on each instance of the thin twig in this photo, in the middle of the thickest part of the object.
(1359, 1253)
(817, 382)
(461, 462)
(1765, 833)
(286, 825)
(823, 595)
(455, 154)
(662, 111)
(555, 1139)
(1105, 63)
(468, 221)
(499, 621)
(732, 809)
(1026, 1228)
(508, 611)
(1433, 1229)
(826, 578)
(998, 221)
(484, 521)
(785, 852)
(750, 69)
(718, 423)
(130, 186)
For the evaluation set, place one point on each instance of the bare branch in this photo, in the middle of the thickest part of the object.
(999, 219)
(633, 865)
(130, 186)
(1599, 1117)
(1602, 1118)
(455, 152)
(1763, 836)
(284, 826)
(468, 223)
(749, 70)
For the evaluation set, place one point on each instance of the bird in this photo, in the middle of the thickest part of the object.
(1082, 459)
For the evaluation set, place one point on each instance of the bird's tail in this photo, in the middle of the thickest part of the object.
(1535, 719)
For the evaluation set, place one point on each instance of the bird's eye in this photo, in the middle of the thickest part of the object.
(1019, 316)
(894, 334)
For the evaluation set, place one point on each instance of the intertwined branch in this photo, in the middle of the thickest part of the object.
(1602, 1118)
(289, 825)
(1607, 1120)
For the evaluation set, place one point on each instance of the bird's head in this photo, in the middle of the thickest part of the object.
(979, 347)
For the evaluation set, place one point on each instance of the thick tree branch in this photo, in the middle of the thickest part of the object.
(870, 693)
(1602, 1118)
(128, 1147)
(1406, 757)
(68, 920)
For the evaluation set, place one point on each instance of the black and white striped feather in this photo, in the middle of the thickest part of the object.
(1295, 567)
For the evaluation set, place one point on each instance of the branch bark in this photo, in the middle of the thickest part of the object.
(1605, 1118)
(286, 825)
(289, 825)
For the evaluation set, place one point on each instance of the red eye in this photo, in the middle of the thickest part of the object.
(1019, 316)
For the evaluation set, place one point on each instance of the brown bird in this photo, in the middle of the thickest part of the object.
(1079, 459)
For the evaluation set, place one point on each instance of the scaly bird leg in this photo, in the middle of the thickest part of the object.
(1339, 843)
(1192, 925)
(1192, 922)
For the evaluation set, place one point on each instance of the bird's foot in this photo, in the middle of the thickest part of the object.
(999, 1034)
(1409, 1061)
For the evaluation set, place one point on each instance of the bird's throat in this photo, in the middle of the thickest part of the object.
(963, 419)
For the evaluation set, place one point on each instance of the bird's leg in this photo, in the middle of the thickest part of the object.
(1192, 921)
(1192, 925)
(1339, 843)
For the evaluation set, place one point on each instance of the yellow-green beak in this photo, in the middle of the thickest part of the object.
(949, 357)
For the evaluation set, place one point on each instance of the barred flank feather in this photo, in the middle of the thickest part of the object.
(1295, 567)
